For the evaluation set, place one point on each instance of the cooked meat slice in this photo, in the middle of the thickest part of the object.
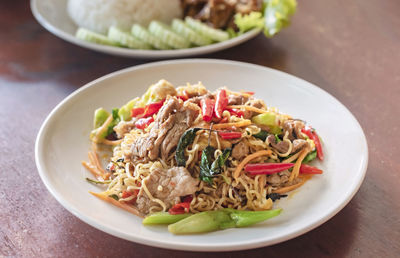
(192, 7)
(293, 127)
(298, 145)
(237, 99)
(196, 100)
(171, 122)
(248, 6)
(278, 178)
(183, 120)
(217, 13)
(166, 185)
(257, 103)
(240, 150)
(124, 127)
(281, 147)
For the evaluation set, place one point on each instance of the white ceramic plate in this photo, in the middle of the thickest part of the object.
(63, 142)
(52, 14)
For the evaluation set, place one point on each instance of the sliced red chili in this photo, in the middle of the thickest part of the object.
(221, 103)
(236, 112)
(312, 134)
(153, 108)
(207, 106)
(223, 120)
(229, 135)
(127, 194)
(137, 111)
(306, 169)
(142, 123)
(267, 168)
(188, 198)
(179, 208)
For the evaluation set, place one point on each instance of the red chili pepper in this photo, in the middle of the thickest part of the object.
(313, 136)
(267, 168)
(184, 98)
(223, 120)
(207, 106)
(142, 123)
(126, 194)
(306, 169)
(137, 111)
(153, 108)
(179, 208)
(236, 112)
(221, 103)
(229, 135)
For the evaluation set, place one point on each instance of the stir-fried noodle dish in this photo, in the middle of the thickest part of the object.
(178, 152)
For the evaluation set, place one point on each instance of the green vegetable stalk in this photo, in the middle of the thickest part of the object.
(268, 119)
(208, 221)
(164, 218)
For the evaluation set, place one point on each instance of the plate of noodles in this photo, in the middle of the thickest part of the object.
(161, 28)
(165, 155)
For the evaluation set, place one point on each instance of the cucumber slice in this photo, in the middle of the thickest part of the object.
(182, 29)
(142, 34)
(94, 37)
(126, 39)
(166, 35)
(203, 29)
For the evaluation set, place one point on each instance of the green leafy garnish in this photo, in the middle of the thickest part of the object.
(209, 168)
(262, 135)
(114, 196)
(246, 22)
(310, 157)
(277, 15)
(186, 139)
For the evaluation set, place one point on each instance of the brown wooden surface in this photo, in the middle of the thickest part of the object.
(349, 48)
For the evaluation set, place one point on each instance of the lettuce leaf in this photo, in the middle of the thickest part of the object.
(249, 21)
(277, 15)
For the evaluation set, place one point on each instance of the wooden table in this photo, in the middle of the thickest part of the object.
(349, 48)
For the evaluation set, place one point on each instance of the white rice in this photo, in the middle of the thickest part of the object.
(99, 15)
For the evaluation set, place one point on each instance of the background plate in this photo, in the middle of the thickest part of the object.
(63, 142)
(52, 14)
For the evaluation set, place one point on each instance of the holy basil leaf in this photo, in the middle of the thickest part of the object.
(262, 135)
(217, 165)
(209, 168)
(186, 139)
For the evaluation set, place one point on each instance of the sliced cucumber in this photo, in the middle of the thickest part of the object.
(126, 39)
(142, 34)
(203, 29)
(185, 31)
(94, 37)
(166, 35)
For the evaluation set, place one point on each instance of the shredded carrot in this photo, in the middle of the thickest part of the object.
(291, 187)
(296, 168)
(250, 108)
(92, 169)
(113, 143)
(243, 123)
(129, 208)
(257, 154)
(102, 128)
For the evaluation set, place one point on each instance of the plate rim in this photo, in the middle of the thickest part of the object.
(185, 246)
(139, 53)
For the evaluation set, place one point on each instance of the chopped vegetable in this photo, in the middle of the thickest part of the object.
(207, 109)
(312, 134)
(99, 121)
(221, 103)
(208, 221)
(310, 156)
(142, 123)
(125, 111)
(209, 168)
(98, 182)
(306, 169)
(246, 160)
(153, 108)
(100, 116)
(277, 15)
(262, 135)
(246, 22)
(186, 139)
(164, 218)
(267, 168)
(268, 119)
(229, 135)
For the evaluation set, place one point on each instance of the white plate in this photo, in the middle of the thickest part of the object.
(52, 14)
(63, 142)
